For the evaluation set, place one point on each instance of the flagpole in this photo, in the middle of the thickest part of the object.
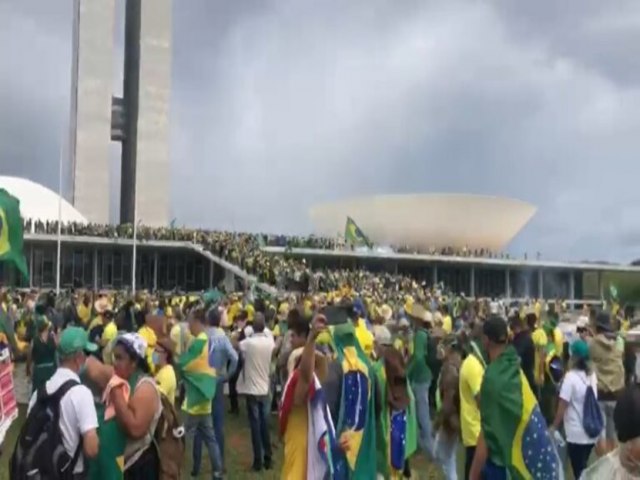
(135, 237)
(59, 233)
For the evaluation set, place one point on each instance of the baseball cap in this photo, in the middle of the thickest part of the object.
(74, 340)
(495, 329)
(580, 349)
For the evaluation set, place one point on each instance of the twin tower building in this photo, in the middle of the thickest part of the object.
(138, 119)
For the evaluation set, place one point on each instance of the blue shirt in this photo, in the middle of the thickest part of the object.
(221, 353)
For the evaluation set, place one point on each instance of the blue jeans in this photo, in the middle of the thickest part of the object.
(258, 411)
(445, 449)
(200, 429)
(425, 438)
(217, 415)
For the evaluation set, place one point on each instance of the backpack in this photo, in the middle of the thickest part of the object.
(169, 440)
(39, 451)
(592, 420)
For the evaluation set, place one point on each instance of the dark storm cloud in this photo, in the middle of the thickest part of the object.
(281, 104)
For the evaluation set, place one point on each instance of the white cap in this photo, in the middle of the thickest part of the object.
(583, 322)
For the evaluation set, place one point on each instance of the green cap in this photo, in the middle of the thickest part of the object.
(580, 349)
(74, 340)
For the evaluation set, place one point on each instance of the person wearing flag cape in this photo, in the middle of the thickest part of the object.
(396, 431)
(514, 442)
(355, 418)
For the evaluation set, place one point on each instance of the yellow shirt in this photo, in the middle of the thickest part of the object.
(295, 444)
(471, 374)
(109, 333)
(540, 341)
(365, 338)
(167, 383)
(447, 324)
(84, 313)
(558, 340)
(180, 335)
(149, 335)
(276, 330)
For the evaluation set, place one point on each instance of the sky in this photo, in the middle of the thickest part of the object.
(277, 105)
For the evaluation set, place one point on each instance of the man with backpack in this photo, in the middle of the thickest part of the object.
(61, 424)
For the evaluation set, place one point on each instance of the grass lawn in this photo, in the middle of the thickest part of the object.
(239, 455)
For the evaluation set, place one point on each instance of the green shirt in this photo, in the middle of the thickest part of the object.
(418, 370)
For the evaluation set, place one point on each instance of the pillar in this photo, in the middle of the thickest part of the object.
(600, 285)
(95, 268)
(540, 284)
(31, 256)
(434, 275)
(155, 271)
(229, 281)
(472, 286)
(507, 283)
(572, 287)
(211, 267)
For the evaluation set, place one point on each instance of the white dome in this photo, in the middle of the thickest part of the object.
(424, 221)
(37, 202)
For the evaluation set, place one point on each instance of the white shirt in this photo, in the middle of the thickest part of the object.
(256, 351)
(573, 391)
(77, 412)
(248, 331)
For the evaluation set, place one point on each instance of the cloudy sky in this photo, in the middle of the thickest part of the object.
(279, 104)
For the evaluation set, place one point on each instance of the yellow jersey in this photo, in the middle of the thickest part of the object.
(471, 375)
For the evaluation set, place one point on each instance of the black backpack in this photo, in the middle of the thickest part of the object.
(39, 451)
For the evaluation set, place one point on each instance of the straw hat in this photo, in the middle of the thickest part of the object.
(386, 313)
(418, 312)
(102, 305)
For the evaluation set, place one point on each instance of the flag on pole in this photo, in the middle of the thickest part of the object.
(354, 236)
(11, 234)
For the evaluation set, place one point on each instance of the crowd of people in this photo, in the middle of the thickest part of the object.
(242, 249)
(360, 386)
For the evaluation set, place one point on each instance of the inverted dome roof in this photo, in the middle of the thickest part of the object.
(427, 221)
(37, 202)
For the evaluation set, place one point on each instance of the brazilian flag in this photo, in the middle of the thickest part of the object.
(514, 429)
(11, 232)
(198, 376)
(354, 236)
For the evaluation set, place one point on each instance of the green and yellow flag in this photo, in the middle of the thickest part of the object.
(513, 426)
(354, 236)
(196, 373)
(11, 232)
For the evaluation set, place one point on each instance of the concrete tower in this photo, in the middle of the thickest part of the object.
(90, 119)
(139, 120)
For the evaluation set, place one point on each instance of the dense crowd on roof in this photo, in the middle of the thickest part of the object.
(245, 250)
(288, 241)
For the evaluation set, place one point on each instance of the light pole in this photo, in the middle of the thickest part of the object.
(135, 247)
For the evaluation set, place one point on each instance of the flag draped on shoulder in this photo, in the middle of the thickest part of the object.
(514, 429)
(397, 435)
(198, 376)
(354, 236)
(11, 232)
(356, 420)
(321, 434)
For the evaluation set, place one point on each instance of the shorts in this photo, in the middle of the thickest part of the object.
(609, 431)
